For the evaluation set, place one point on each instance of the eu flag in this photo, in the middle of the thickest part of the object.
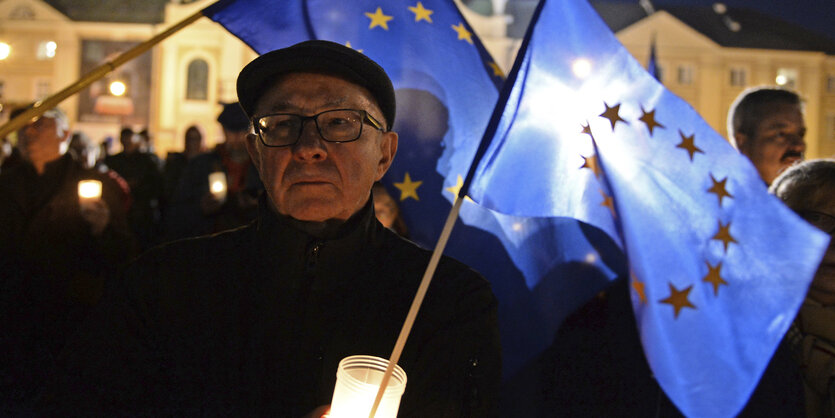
(717, 266)
(447, 87)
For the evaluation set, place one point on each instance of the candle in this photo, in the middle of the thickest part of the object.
(217, 185)
(357, 382)
(89, 191)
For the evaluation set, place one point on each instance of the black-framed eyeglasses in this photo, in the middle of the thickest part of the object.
(337, 125)
(823, 221)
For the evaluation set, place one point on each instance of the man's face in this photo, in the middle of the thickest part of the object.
(41, 139)
(777, 142)
(315, 180)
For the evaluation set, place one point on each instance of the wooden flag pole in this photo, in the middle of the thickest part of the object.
(97, 73)
(417, 301)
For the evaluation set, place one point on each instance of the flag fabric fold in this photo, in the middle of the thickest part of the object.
(717, 266)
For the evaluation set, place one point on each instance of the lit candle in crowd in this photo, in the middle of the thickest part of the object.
(89, 191)
(217, 185)
(358, 379)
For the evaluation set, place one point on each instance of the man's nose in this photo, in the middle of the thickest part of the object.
(310, 146)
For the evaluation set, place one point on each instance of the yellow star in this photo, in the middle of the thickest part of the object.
(454, 189)
(724, 235)
(587, 130)
(718, 189)
(714, 278)
(611, 113)
(497, 71)
(408, 188)
(348, 44)
(649, 119)
(463, 33)
(421, 13)
(639, 288)
(678, 299)
(608, 202)
(378, 19)
(591, 164)
(689, 143)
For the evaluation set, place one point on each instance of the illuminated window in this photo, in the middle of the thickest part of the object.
(685, 75)
(197, 86)
(46, 50)
(786, 77)
(739, 77)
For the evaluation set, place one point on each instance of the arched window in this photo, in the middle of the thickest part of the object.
(197, 87)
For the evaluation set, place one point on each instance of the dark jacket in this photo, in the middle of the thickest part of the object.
(52, 268)
(253, 322)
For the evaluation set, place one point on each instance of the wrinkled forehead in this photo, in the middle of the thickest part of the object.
(780, 113)
(311, 91)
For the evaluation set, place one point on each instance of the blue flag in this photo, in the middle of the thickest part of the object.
(717, 266)
(447, 87)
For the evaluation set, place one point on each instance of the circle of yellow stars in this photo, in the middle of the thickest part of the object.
(379, 20)
(678, 298)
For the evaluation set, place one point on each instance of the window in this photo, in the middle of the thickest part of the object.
(829, 135)
(42, 89)
(197, 86)
(46, 50)
(2, 88)
(685, 75)
(786, 77)
(830, 84)
(739, 77)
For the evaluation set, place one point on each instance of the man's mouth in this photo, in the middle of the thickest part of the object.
(791, 156)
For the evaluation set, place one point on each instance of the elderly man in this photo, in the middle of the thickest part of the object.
(55, 254)
(766, 125)
(809, 189)
(253, 321)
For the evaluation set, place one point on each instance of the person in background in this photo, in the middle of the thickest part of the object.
(766, 125)
(809, 190)
(87, 153)
(144, 177)
(176, 162)
(387, 211)
(56, 255)
(194, 209)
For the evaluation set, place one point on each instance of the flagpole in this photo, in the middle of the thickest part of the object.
(418, 300)
(97, 73)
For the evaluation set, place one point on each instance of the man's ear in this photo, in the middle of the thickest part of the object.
(388, 148)
(252, 149)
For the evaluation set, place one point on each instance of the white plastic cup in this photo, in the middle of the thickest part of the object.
(217, 185)
(358, 379)
(89, 191)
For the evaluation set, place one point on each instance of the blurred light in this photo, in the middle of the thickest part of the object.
(720, 8)
(117, 88)
(51, 46)
(581, 68)
(591, 258)
(781, 80)
(517, 226)
(5, 50)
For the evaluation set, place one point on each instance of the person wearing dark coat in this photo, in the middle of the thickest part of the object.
(254, 321)
(55, 255)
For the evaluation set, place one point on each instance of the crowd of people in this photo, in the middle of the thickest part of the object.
(166, 295)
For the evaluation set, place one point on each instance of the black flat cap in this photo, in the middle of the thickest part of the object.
(233, 118)
(318, 57)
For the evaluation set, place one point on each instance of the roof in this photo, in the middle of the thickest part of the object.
(119, 11)
(755, 30)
